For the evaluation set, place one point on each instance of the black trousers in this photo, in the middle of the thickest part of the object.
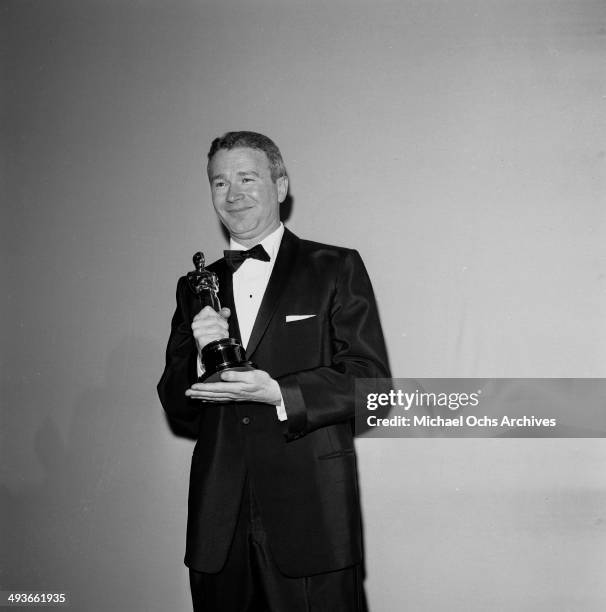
(251, 582)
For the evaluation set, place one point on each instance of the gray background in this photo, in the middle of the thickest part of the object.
(458, 145)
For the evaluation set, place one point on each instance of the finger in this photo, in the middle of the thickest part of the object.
(216, 323)
(225, 312)
(206, 312)
(234, 376)
(212, 397)
(214, 400)
(207, 332)
(217, 387)
(210, 321)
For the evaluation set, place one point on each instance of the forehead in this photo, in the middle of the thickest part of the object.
(242, 159)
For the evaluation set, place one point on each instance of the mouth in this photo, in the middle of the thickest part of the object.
(235, 211)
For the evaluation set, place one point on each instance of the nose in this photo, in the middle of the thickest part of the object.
(233, 193)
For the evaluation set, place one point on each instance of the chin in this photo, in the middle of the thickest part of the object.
(243, 232)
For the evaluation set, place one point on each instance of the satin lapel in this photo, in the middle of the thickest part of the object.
(278, 279)
(226, 297)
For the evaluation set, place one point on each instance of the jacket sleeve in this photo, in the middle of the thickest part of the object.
(180, 371)
(325, 395)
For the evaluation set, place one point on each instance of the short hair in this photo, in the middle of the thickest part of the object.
(250, 140)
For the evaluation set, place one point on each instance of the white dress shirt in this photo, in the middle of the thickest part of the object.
(249, 283)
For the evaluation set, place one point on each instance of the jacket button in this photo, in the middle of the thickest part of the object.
(246, 420)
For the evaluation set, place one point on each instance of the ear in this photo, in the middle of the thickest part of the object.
(282, 185)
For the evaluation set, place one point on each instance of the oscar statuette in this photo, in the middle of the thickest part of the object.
(220, 355)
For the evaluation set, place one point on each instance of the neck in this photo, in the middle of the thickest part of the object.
(251, 242)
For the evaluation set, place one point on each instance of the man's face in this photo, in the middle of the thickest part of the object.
(244, 195)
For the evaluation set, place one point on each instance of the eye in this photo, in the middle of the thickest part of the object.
(219, 184)
(247, 180)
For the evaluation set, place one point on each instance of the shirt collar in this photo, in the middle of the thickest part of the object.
(270, 243)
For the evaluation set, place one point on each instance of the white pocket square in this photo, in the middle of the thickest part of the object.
(291, 318)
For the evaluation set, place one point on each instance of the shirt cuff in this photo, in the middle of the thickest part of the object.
(199, 366)
(281, 410)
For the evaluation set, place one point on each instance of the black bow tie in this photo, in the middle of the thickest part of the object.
(234, 259)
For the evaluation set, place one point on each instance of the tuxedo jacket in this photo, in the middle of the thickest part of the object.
(302, 470)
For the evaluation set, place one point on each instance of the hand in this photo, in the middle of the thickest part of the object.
(250, 386)
(209, 325)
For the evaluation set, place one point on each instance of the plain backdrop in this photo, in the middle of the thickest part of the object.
(459, 146)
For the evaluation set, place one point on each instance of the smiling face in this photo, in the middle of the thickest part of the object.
(244, 195)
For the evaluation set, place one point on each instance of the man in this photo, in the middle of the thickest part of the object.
(274, 518)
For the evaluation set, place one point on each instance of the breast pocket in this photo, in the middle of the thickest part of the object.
(300, 344)
(306, 331)
(289, 319)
